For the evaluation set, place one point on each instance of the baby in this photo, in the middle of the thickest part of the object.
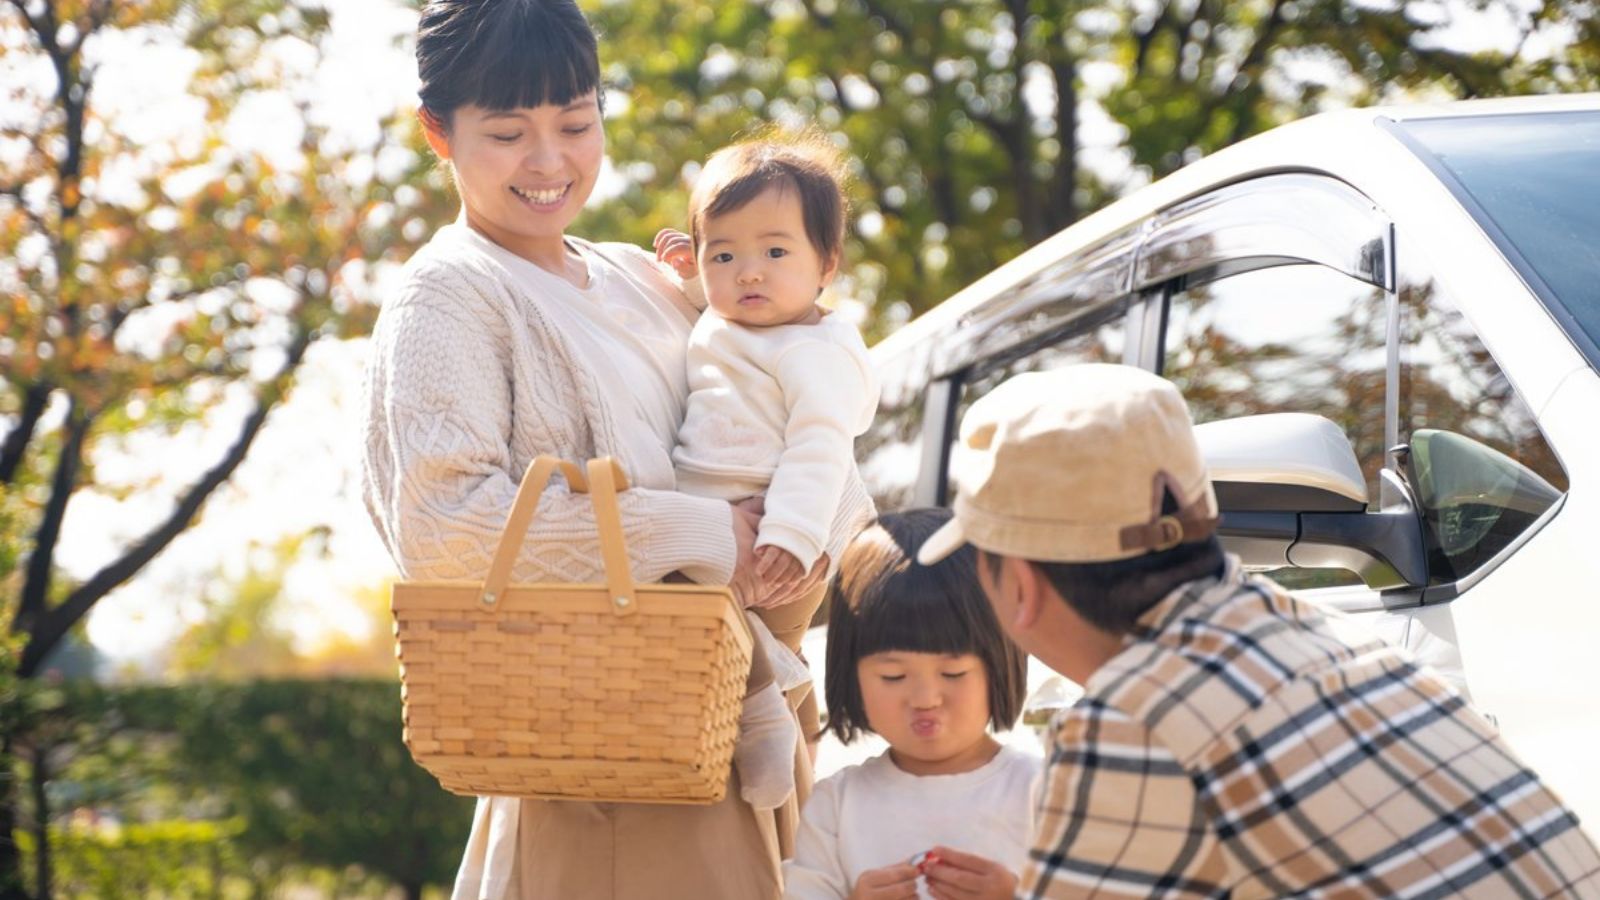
(779, 390)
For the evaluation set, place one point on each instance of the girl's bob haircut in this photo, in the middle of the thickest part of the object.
(503, 54)
(884, 600)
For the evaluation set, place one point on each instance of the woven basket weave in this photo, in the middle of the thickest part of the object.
(605, 692)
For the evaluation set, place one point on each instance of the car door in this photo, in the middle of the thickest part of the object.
(1276, 294)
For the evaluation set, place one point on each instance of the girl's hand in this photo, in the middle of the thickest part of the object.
(746, 585)
(965, 876)
(674, 248)
(898, 882)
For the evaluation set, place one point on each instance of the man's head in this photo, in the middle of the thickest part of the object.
(1083, 485)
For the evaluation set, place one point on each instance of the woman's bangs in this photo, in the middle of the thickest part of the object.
(524, 67)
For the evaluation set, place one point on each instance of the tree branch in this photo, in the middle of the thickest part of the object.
(901, 28)
(54, 625)
(36, 580)
(1064, 205)
(34, 401)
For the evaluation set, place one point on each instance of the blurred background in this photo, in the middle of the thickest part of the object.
(201, 205)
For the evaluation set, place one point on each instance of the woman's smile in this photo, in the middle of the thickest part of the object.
(543, 199)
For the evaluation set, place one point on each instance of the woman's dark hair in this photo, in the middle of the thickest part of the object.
(503, 54)
(884, 600)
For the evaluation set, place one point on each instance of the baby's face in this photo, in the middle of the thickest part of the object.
(758, 266)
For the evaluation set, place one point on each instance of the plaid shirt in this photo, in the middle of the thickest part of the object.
(1241, 745)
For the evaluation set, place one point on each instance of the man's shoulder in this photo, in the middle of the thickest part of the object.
(1215, 659)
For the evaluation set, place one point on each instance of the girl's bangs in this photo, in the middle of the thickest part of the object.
(937, 623)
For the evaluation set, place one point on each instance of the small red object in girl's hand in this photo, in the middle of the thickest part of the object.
(924, 861)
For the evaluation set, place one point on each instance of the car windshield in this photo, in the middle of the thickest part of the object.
(1534, 181)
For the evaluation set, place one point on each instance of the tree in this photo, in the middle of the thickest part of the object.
(148, 285)
(965, 118)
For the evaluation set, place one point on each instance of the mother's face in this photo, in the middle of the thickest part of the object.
(524, 174)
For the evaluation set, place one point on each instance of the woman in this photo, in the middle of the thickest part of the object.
(508, 339)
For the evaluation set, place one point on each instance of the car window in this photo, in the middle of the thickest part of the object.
(1297, 338)
(1483, 471)
(1102, 344)
(1294, 338)
(890, 452)
(1530, 178)
(1100, 341)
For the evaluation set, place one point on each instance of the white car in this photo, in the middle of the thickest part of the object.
(1392, 316)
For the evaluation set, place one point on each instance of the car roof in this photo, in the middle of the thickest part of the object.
(1334, 143)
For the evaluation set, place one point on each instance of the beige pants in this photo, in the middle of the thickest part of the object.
(788, 623)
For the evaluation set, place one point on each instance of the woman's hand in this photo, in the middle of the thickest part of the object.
(778, 570)
(778, 595)
(897, 882)
(745, 584)
(965, 876)
(674, 248)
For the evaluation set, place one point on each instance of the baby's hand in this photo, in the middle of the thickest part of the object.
(897, 882)
(674, 248)
(778, 570)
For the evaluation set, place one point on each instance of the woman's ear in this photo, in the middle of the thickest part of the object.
(433, 130)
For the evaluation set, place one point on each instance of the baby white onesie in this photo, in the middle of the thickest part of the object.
(776, 410)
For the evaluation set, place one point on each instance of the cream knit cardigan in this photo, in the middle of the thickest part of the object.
(469, 381)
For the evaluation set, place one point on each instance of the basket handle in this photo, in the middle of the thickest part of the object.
(607, 477)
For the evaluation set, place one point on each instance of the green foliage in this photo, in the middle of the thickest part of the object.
(174, 859)
(964, 118)
(241, 783)
(240, 636)
(326, 779)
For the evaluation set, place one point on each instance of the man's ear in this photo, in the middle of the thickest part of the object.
(1031, 593)
(433, 131)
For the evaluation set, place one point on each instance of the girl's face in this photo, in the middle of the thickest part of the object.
(758, 265)
(524, 174)
(932, 708)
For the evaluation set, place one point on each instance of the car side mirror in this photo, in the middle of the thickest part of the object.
(1291, 493)
(1472, 497)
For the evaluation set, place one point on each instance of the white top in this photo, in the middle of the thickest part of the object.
(482, 362)
(777, 410)
(874, 815)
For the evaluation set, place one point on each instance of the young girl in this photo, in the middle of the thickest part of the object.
(778, 390)
(916, 656)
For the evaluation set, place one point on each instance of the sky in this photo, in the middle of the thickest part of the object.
(303, 472)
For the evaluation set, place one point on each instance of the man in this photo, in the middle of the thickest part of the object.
(1231, 740)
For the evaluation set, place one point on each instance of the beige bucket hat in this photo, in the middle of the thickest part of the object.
(1070, 466)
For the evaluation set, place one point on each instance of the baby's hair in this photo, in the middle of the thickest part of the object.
(883, 600)
(805, 162)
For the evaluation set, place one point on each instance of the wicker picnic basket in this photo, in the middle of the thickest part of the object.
(606, 692)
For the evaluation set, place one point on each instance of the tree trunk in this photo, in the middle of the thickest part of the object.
(413, 891)
(41, 825)
(11, 887)
(1064, 209)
